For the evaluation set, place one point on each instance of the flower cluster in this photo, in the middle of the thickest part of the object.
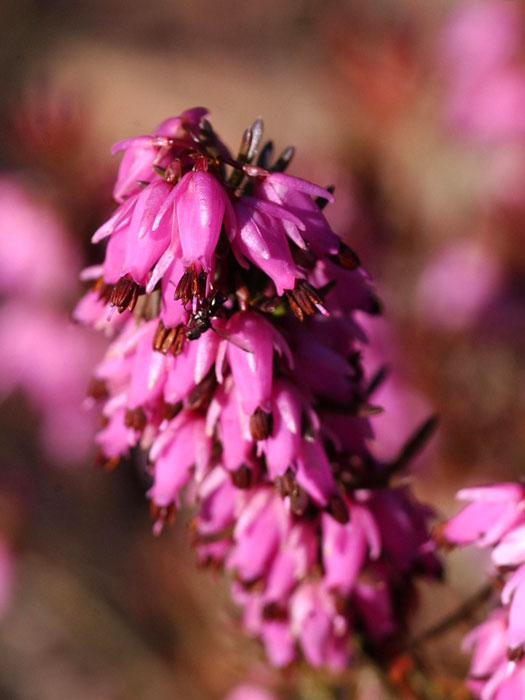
(495, 518)
(235, 362)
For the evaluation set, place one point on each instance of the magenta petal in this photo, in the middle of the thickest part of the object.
(188, 446)
(200, 211)
(252, 368)
(314, 473)
(344, 552)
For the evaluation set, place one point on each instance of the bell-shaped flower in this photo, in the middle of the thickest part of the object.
(261, 239)
(148, 372)
(314, 473)
(256, 536)
(493, 511)
(347, 546)
(321, 631)
(295, 195)
(190, 367)
(250, 357)
(234, 432)
(282, 446)
(182, 445)
(514, 594)
(142, 152)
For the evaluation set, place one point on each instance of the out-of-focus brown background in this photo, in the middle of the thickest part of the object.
(100, 608)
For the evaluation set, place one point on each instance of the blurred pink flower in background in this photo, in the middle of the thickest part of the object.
(250, 691)
(38, 258)
(402, 405)
(7, 566)
(458, 284)
(43, 354)
(481, 51)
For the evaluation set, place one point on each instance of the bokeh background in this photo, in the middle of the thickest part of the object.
(416, 112)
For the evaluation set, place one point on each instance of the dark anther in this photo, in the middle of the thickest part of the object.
(103, 290)
(346, 257)
(303, 299)
(260, 424)
(321, 201)
(515, 653)
(166, 514)
(191, 284)
(135, 418)
(178, 342)
(299, 501)
(125, 294)
(274, 611)
(170, 410)
(97, 388)
(289, 484)
(337, 509)
(242, 477)
(200, 397)
(168, 341)
(159, 335)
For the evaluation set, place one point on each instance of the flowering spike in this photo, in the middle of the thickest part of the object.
(264, 419)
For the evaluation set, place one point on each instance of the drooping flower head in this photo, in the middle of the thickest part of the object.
(235, 363)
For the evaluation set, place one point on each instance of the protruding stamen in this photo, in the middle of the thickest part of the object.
(260, 424)
(102, 289)
(242, 477)
(162, 514)
(200, 397)
(191, 284)
(170, 410)
(346, 257)
(97, 389)
(135, 418)
(304, 299)
(125, 294)
(337, 509)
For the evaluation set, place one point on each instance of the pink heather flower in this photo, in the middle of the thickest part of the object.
(43, 354)
(458, 285)
(385, 371)
(54, 379)
(480, 51)
(493, 512)
(495, 517)
(249, 691)
(142, 152)
(236, 367)
(36, 255)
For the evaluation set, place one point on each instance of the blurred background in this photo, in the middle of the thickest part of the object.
(415, 111)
